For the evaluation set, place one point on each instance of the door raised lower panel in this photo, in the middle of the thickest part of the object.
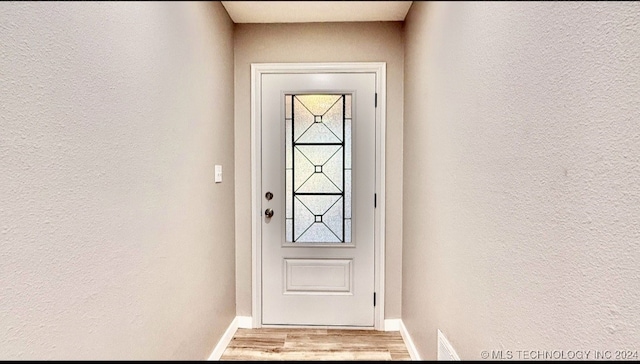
(318, 276)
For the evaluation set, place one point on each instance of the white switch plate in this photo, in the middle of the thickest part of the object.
(218, 176)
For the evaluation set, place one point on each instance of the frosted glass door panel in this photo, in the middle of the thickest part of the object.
(318, 168)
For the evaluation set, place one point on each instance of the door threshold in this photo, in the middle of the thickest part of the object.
(323, 327)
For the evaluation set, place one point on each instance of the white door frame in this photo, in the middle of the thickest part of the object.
(257, 70)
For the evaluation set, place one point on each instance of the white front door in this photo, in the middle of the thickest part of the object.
(318, 183)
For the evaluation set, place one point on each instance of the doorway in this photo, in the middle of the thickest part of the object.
(318, 194)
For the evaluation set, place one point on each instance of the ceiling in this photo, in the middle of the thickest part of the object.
(315, 11)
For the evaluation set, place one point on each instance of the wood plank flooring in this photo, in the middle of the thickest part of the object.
(315, 344)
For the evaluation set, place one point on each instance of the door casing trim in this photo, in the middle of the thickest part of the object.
(257, 70)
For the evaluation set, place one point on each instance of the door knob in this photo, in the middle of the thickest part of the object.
(268, 212)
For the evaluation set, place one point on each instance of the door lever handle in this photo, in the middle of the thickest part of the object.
(268, 213)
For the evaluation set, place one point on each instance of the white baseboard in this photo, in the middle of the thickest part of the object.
(245, 322)
(224, 340)
(392, 325)
(413, 352)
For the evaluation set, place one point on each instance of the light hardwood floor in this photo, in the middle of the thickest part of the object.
(315, 344)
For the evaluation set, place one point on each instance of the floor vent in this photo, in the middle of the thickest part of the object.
(445, 350)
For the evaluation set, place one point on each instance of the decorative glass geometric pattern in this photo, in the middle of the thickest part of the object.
(318, 168)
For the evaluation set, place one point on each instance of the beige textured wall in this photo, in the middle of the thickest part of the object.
(522, 176)
(114, 241)
(319, 42)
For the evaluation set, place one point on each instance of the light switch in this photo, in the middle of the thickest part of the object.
(218, 176)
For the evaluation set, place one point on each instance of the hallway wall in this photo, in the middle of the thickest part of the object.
(522, 176)
(115, 243)
(319, 42)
